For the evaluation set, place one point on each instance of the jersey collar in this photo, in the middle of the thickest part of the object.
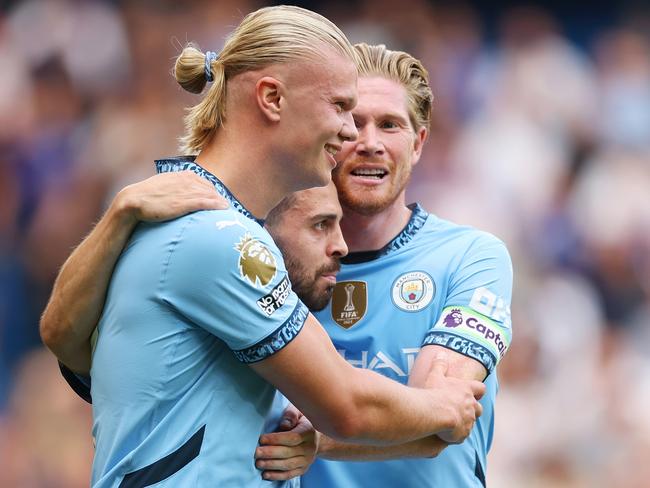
(186, 163)
(415, 223)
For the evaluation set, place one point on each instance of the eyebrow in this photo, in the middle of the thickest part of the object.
(346, 100)
(394, 115)
(383, 116)
(326, 216)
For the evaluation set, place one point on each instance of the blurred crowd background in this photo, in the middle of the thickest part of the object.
(540, 134)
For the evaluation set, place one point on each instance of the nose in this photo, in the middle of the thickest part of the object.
(337, 248)
(349, 130)
(369, 142)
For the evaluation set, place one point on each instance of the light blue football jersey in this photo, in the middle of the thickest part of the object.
(435, 283)
(190, 304)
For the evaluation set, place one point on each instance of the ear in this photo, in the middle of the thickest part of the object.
(418, 144)
(268, 94)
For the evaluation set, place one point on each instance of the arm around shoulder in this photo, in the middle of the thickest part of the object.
(79, 291)
(77, 299)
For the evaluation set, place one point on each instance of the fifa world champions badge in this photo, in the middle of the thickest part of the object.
(349, 302)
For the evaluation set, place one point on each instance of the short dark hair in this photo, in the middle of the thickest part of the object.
(275, 215)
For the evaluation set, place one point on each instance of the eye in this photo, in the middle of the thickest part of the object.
(388, 124)
(340, 106)
(320, 225)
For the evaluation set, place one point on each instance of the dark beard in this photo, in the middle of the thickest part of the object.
(305, 286)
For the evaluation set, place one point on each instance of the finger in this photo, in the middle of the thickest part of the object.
(215, 200)
(478, 409)
(281, 464)
(190, 181)
(187, 205)
(478, 389)
(192, 176)
(202, 187)
(277, 452)
(449, 437)
(211, 202)
(221, 203)
(274, 452)
(283, 475)
(290, 419)
(281, 439)
(181, 179)
(304, 429)
(435, 445)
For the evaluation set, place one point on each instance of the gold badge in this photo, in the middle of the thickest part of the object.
(349, 302)
(256, 262)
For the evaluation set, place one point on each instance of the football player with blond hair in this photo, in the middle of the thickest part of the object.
(414, 287)
(200, 323)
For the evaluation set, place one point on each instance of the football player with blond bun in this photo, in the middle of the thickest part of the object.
(200, 323)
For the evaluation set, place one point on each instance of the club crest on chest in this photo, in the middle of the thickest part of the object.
(413, 291)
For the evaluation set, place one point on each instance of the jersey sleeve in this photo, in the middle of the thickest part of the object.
(226, 275)
(475, 319)
(80, 384)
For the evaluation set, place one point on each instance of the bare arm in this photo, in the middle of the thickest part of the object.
(281, 454)
(460, 366)
(79, 291)
(427, 447)
(362, 406)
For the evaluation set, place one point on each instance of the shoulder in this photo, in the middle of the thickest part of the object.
(463, 237)
(487, 252)
(208, 243)
(218, 229)
(218, 240)
(482, 240)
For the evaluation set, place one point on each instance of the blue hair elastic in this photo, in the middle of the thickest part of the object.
(209, 57)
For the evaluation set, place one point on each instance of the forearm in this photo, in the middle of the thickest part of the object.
(460, 367)
(365, 407)
(79, 291)
(332, 449)
(389, 413)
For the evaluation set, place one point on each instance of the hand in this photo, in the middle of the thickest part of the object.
(289, 452)
(433, 445)
(167, 196)
(457, 403)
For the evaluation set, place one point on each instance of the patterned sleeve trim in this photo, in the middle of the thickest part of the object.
(463, 346)
(79, 384)
(278, 339)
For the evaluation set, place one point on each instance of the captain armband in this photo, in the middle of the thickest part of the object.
(467, 332)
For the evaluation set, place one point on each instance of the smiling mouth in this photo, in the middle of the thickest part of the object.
(374, 174)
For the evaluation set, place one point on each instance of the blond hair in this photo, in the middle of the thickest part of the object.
(404, 69)
(267, 36)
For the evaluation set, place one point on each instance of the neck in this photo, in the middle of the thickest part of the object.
(372, 232)
(246, 173)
